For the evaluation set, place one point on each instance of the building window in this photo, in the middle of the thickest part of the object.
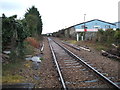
(107, 26)
(96, 27)
(84, 26)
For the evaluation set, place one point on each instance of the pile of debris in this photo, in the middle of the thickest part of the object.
(5, 56)
(112, 53)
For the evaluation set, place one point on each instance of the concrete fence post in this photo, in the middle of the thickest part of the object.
(77, 36)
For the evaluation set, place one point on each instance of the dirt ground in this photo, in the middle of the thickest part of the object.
(42, 76)
(46, 76)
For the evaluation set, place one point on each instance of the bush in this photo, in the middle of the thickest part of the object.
(33, 42)
(107, 36)
(117, 36)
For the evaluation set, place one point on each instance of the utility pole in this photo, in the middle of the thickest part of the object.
(84, 22)
(84, 27)
(84, 17)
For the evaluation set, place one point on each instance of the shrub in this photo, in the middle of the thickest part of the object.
(117, 36)
(33, 42)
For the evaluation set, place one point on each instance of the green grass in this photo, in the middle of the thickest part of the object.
(41, 58)
(12, 78)
(72, 41)
(12, 65)
(28, 48)
(100, 47)
(96, 45)
(10, 72)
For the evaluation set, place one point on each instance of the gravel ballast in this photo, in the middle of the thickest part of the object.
(48, 74)
(107, 66)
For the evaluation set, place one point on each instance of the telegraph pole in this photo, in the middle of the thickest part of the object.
(84, 22)
(84, 26)
(84, 17)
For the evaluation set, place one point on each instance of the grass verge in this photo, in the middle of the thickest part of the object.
(10, 72)
(95, 45)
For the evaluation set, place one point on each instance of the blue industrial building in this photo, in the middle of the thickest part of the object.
(94, 25)
(90, 27)
(117, 24)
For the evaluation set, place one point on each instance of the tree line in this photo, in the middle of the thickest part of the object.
(15, 31)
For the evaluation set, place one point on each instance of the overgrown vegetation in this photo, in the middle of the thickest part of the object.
(10, 72)
(109, 37)
(104, 40)
(20, 37)
(14, 31)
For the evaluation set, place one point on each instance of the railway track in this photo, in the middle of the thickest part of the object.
(109, 74)
(74, 72)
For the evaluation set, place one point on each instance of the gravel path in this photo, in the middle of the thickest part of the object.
(108, 67)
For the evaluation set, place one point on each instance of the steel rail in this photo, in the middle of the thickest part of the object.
(71, 46)
(77, 47)
(57, 65)
(91, 68)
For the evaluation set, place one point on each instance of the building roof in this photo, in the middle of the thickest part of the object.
(117, 22)
(91, 21)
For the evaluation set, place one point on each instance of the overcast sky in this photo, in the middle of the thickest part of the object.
(59, 14)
